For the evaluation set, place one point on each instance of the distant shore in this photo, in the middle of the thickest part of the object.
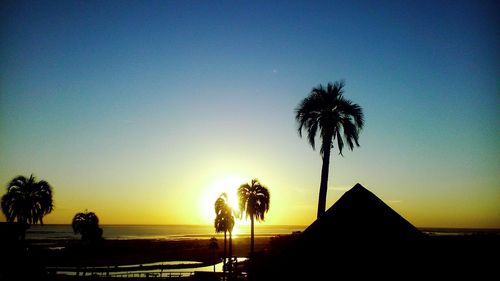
(458, 231)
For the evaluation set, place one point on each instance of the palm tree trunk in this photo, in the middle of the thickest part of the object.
(230, 253)
(213, 257)
(323, 188)
(251, 235)
(225, 252)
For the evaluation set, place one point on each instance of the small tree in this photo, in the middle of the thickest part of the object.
(87, 225)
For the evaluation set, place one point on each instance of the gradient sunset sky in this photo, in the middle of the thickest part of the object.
(144, 111)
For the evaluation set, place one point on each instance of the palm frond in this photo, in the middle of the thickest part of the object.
(350, 132)
(340, 142)
(352, 110)
(254, 199)
(325, 111)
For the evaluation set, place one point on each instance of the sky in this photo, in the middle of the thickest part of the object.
(144, 111)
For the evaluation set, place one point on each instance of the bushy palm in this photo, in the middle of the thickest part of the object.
(27, 201)
(87, 225)
(254, 202)
(336, 118)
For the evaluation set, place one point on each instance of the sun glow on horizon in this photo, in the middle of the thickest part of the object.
(228, 184)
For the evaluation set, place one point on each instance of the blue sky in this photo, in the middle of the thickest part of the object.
(146, 102)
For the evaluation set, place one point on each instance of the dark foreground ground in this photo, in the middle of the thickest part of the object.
(140, 251)
(475, 257)
(447, 257)
(35, 259)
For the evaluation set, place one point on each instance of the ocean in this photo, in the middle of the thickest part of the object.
(177, 232)
(171, 232)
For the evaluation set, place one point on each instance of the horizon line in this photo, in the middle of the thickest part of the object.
(429, 228)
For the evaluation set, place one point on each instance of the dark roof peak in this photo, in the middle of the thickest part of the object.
(358, 188)
(359, 212)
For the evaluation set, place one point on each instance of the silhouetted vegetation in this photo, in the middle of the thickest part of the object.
(27, 201)
(326, 110)
(254, 202)
(224, 222)
(87, 225)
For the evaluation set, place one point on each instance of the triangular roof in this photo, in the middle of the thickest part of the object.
(359, 235)
(361, 214)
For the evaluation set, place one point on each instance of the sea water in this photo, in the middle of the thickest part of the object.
(171, 232)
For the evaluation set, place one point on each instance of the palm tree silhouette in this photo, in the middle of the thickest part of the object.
(87, 224)
(254, 201)
(224, 222)
(27, 201)
(326, 110)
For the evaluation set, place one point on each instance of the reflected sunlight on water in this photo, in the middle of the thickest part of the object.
(121, 270)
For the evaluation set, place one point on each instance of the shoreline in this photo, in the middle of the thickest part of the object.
(119, 252)
(166, 232)
(138, 254)
(114, 252)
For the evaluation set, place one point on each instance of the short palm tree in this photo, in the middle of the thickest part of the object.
(254, 201)
(336, 118)
(87, 225)
(224, 221)
(27, 201)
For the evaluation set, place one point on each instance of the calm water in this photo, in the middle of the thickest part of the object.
(158, 231)
(187, 271)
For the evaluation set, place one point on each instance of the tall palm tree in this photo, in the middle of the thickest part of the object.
(87, 224)
(254, 201)
(224, 221)
(337, 118)
(27, 201)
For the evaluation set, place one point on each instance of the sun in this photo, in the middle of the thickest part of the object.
(228, 184)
